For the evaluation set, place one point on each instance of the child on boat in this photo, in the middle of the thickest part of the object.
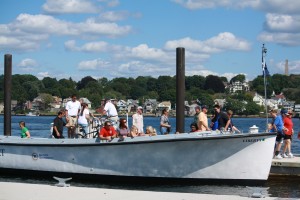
(24, 131)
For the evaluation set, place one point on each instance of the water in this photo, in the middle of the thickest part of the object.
(281, 186)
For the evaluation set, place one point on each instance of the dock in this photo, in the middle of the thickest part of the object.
(286, 166)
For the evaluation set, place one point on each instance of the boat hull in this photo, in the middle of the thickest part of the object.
(184, 156)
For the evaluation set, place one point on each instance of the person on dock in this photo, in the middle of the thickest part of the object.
(202, 121)
(138, 120)
(230, 126)
(72, 110)
(107, 132)
(58, 125)
(24, 130)
(111, 112)
(277, 123)
(165, 126)
(288, 133)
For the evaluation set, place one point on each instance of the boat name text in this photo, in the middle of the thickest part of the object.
(254, 140)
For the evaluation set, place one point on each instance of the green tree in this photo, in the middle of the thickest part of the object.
(239, 77)
(214, 83)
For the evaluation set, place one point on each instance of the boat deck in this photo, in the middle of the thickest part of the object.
(286, 166)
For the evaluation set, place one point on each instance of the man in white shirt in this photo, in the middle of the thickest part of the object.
(72, 110)
(111, 112)
(138, 121)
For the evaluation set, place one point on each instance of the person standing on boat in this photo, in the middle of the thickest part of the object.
(108, 132)
(277, 124)
(138, 120)
(72, 110)
(84, 118)
(165, 126)
(230, 126)
(220, 117)
(58, 125)
(111, 112)
(288, 133)
(196, 116)
(24, 130)
(202, 121)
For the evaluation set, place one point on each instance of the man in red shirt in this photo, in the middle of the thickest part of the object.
(288, 133)
(108, 132)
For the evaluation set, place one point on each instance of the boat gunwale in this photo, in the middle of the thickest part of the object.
(98, 142)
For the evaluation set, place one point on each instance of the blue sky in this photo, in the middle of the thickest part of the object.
(131, 38)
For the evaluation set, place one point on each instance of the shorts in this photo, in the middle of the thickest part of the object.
(279, 138)
(72, 121)
(287, 137)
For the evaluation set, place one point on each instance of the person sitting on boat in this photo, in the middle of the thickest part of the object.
(165, 126)
(123, 130)
(151, 131)
(58, 125)
(138, 121)
(111, 112)
(24, 131)
(277, 123)
(194, 127)
(108, 132)
(72, 110)
(202, 121)
(133, 131)
(220, 117)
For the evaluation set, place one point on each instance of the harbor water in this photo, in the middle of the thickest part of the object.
(279, 186)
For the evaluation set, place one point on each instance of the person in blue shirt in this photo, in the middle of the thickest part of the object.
(277, 127)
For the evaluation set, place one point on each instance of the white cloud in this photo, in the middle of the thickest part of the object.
(286, 39)
(70, 6)
(28, 32)
(282, 23)
(293, 67)
(95, 64)
(222, 42)
(113, 16)
(28, 63)
(42, 75)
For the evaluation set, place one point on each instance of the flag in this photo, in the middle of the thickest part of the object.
(265, 69)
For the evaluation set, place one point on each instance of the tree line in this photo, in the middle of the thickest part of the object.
(205, 89)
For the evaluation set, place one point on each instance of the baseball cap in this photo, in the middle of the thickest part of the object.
(284, 112)
(140, 107)
(204, 106)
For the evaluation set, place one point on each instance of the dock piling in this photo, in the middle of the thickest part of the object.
(7, 93)
(180, 89)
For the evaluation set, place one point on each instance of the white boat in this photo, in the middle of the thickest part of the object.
(202, 156)
(32, 114)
